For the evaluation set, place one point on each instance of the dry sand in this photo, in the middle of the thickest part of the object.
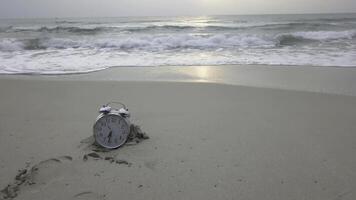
(207, 141)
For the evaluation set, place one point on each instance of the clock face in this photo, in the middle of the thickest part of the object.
(111, 131)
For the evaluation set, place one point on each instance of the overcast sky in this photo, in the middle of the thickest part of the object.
(109, 8)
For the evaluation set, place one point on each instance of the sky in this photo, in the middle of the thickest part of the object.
(112, 8)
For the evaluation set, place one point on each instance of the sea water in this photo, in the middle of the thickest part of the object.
(78, 45)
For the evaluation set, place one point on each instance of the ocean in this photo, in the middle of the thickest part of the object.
(80, 45)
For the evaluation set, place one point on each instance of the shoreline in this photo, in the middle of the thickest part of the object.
(330, 80)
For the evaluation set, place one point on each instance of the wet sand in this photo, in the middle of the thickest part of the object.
(207, 141)
(330, 80)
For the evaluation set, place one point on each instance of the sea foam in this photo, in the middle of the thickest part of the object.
(56, 46)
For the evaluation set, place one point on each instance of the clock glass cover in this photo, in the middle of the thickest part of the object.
(111, 131)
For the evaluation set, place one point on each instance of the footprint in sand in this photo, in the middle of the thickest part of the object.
(88, 195)
(48, 170)
(36, 178)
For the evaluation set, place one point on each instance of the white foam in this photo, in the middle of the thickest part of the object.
(87, 60)
(326, 35)
(63, 54)
(146, 42)
(11, 44)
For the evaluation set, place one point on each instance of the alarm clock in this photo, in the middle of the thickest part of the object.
(112, 127)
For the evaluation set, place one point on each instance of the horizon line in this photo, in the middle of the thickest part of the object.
(186, 15)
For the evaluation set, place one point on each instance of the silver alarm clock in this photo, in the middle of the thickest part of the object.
(112, 126)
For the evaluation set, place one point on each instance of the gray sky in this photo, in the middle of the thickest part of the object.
(95, 8)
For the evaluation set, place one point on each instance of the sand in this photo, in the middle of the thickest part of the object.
(330, 80)
(207, 141)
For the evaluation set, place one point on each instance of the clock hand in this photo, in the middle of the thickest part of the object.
(109, 136)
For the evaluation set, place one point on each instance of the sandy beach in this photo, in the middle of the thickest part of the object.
(207, 140)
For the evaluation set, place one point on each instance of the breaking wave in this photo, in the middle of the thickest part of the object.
(11, 45)
(66, 22)
(313, 36)
(177, 41)
(57, 29)
(174, 42)
(165, 27)
(343, 19)
(149, 43)
(62, 28)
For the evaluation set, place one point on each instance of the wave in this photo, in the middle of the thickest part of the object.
(6, 29)
(146, 43)
(343, 19)
(231, 27)
(295, 26)
(177, 41)
(22, 44)
(219, 27)
(11, 45)
(72, 30)
(66, 22)
(183, 28)
(310, 36)
(277, 26)
(59, 29)
(164, 27)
